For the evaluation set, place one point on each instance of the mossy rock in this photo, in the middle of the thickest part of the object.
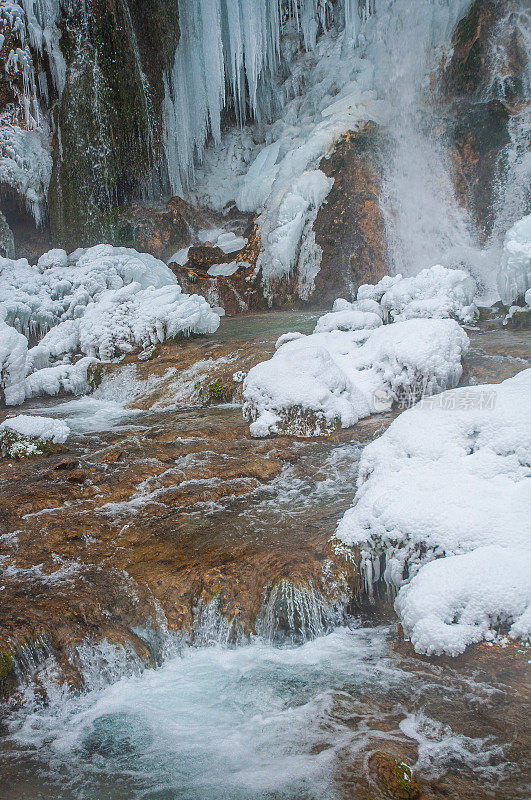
(394, 778)
(215, 391)
(95, 374)
(6, 665)
(518, 318)
(15, 445)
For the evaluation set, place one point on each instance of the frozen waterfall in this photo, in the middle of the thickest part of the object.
(227, 56)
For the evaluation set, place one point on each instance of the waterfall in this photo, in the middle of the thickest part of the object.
(424, 223)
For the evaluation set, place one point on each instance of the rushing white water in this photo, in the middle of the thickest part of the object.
(424, 222)
(244, 723)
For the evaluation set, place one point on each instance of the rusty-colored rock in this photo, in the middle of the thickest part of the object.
(349, 226)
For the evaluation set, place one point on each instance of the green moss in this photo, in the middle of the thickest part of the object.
(214, 392)
(519, 319)
(15, 445)
(6, 665)
(110, 128)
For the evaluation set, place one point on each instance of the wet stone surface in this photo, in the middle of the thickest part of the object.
(166, 524)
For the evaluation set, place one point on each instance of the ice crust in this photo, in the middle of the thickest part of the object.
(99, 303)
(441, 513)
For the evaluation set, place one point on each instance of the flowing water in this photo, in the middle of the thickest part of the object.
(297, 708)
(259, 722)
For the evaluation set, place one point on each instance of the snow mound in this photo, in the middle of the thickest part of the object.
(45, 428)
(25, 436)
(514, 277)
(100, 302)
(434, 292)
(458, 600)
(449, 477)
(333, 378)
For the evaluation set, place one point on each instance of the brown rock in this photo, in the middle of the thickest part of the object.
(394, 778)
(484, 92)
(349, 226)
(77, 476)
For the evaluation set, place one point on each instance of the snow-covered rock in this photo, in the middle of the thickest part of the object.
(449, 477)
(458, 600)
(434, 292)
(514, 277)
(335, 377)
(26, 435)
(100, 302)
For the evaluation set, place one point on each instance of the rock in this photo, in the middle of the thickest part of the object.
(203, 256)
(349, 226)
(77, 476)
(393, 777)
(484, 82)
(66, 463)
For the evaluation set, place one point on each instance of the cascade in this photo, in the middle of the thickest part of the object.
(424, 223)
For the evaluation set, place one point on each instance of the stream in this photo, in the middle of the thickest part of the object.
(210, 551)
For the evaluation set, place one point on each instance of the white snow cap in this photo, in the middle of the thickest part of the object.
(434, 292)
(339, 376)
(100, 302)
(46, 429)
(514, 277)
(450, 478)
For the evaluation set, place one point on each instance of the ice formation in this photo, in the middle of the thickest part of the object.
(273, 169)
(514, 277)
(449, 480)
(336, 377)
(25, 162)
(228, 54)
(435, 292)
(100, 302)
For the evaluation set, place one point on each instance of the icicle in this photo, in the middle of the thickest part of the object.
(225, 43)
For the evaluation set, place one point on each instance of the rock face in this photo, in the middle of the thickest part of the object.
(349, 226)
(486, 85)
(110, 115)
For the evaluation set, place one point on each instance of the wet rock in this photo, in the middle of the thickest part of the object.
(203, 256)
(349, 226)
(67, 464)
(485, 83)
(77, 476)
(394, 778)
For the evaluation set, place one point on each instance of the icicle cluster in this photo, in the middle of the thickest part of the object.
(28, 26)
(227, 52)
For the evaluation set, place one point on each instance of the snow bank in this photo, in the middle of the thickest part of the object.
(100, 302)
(45, 428)
(514, 277)
(458, 600)
(25, 436)
(449, 478)
(332, 378)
